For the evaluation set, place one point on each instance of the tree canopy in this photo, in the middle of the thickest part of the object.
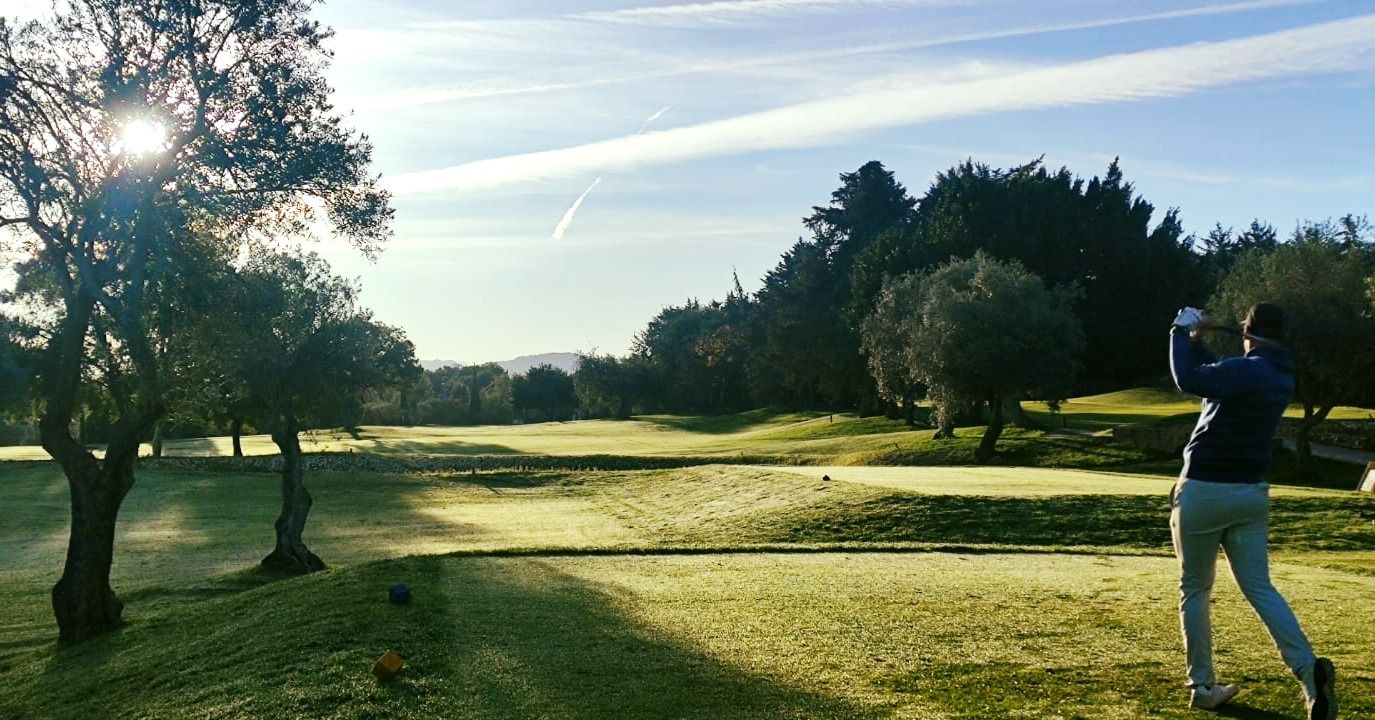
(987, 331)
(544, 392)
(303, 354)
(1320, 278)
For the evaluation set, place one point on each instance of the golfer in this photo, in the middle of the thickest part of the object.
(1221, 500)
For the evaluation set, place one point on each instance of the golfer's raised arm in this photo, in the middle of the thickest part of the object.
(1196, 371)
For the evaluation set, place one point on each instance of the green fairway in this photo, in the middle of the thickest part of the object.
(711, 591)
(810, 438)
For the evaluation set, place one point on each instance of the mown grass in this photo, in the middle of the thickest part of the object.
(715, 591)
(942, 591)
(808, 438)
(731, 636)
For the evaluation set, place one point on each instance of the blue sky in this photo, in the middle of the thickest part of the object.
(491, 119)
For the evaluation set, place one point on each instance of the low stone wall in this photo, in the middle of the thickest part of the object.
(1349, 434)
(363, 462)
(1163, 440)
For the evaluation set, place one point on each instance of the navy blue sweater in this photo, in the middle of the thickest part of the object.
(1243, 399)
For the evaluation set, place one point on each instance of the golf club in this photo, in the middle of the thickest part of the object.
(1239, 333)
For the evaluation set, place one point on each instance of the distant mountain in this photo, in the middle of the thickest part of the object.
(568, 362)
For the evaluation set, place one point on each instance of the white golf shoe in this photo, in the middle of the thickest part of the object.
(1211, 697)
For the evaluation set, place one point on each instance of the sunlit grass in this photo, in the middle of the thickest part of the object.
(917, 635)
(808, 437)
(654, 593)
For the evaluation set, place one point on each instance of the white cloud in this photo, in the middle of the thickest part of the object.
(1143, 166)
(531, 33)
(1323, 48)
(722, 12)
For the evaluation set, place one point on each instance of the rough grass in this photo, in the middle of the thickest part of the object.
(707, 592)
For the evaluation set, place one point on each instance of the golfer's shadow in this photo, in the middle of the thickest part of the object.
(1242, 711)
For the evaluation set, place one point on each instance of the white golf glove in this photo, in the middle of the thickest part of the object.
(1188, 318)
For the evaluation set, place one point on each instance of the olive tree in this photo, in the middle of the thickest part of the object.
(885, 335)
(986, 332)
(1320, 279)
(130, 130)
(305, 354)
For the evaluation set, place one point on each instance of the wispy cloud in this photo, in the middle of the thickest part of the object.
(721, 12)
(598, 77)
(1323, 48)
(1147, 166)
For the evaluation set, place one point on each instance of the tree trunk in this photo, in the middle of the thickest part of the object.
(995, 428)
(159, 430)
(909, 411)
(1012, 408)
(236, 429)
(1303, 451)
(83, 601)
(291, 553)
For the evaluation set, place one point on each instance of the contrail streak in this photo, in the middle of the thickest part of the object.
(652, 118)
(567, 219)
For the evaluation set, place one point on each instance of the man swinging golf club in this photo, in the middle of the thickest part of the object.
(1221, 500)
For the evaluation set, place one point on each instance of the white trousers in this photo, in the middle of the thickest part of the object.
(1234, 516)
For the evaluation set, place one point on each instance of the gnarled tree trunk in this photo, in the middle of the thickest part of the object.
(291, 553)
(83, 601)
(995, 429)
(1012, 410)
(1303, 449)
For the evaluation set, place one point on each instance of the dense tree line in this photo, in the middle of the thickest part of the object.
(843, 320)
(797, 342)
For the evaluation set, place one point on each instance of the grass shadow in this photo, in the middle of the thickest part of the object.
(490, 638)
(727, 424)
(974, 691)
(1130, 521)
(386, 447)
(231, 583)
(1242, 711)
